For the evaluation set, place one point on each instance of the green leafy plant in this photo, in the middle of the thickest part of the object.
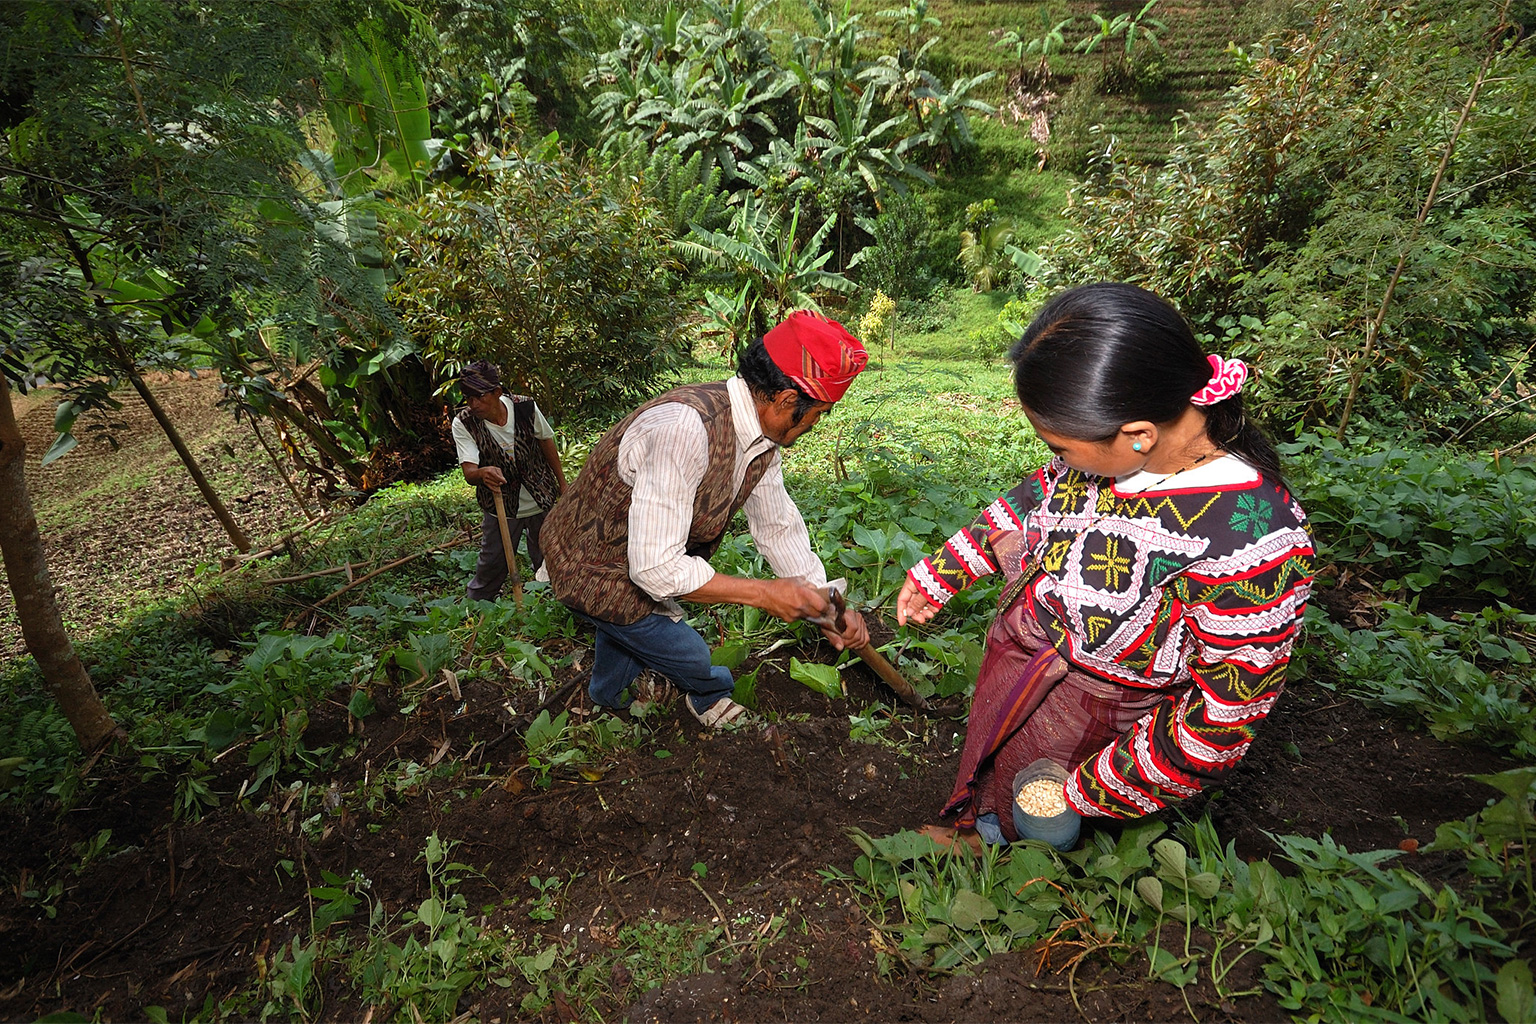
(1467, 676)
(291, 982)
(1343, 935)
(555, 743)
(268, 699)
(443, 951)
(547, 894)
(548, 742)
(824, 679)
(1239, 221)
(1496, 842)
(1424, 518)
(896, 262)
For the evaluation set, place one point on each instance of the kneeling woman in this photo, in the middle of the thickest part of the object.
(1156, 572)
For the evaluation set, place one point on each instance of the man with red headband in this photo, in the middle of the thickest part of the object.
(633, 535)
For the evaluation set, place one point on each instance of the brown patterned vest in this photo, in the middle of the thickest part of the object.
(526, 467)
(586, 537)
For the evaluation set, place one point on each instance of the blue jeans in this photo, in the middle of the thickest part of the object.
(663, 645)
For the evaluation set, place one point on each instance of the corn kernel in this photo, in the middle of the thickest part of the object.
(1042, 798)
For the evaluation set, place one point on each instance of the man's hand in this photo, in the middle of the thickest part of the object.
(491, 476)
(912, 605)
(792, 601)
(855, 632)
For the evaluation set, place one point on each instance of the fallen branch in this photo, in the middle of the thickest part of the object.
(276, 548)
(359, 581)
(725, 922)
(319, 572)
(385, 568)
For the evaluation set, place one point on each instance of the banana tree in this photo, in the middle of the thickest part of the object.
(848, 142)
(899, 75)
(948, 127)
(850, 147)
(1106, 31)
(1051, 40)
(719, 119)
(826, 63)
(1141, 26)
(765, 253)
(376, 102)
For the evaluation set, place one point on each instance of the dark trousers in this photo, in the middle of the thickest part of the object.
(491, 568)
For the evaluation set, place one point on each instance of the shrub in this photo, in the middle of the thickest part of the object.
(1295, 206)
(551, 272)
(1074, 142)
(896, 263)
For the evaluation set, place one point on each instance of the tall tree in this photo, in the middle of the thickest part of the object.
(26, 569)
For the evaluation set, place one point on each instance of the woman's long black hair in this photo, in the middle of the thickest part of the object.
(1103, 355)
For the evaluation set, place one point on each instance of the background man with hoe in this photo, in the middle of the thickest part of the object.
(634, 534)
(505, 445)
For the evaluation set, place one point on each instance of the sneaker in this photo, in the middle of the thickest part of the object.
(722, 714)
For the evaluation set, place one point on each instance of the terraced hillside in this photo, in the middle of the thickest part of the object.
(1191, 74)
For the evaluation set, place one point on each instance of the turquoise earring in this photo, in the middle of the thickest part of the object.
(1135, 446)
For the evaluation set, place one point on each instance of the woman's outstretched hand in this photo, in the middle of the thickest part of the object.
(912, 605)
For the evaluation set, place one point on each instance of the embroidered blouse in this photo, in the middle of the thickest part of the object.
(1195, 586)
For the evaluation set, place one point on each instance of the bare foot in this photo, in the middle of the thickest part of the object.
(947, 837)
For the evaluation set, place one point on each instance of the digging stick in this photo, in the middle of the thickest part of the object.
(506, 548)
(875, 660)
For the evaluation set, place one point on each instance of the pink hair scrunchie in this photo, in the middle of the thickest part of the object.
(1227, 377)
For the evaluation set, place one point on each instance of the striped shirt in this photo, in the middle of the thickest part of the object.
(662, 456)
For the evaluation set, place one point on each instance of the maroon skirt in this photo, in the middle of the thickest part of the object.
(1025, 708)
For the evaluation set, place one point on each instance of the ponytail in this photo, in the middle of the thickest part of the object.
(1227, 425)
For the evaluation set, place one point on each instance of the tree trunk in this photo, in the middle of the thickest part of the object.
(26, 567)
(236, 535)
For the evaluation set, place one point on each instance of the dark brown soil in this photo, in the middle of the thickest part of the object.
(177, 914)
(181, 912)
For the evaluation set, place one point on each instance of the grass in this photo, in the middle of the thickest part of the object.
(1002, 168)
(968, 312)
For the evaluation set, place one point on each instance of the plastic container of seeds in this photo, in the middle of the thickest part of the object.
(1040, 810)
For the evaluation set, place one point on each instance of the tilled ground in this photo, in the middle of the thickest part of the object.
(119, 515)
(182, 913)
(728, 832)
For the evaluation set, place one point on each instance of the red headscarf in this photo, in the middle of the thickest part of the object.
(816, 353)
